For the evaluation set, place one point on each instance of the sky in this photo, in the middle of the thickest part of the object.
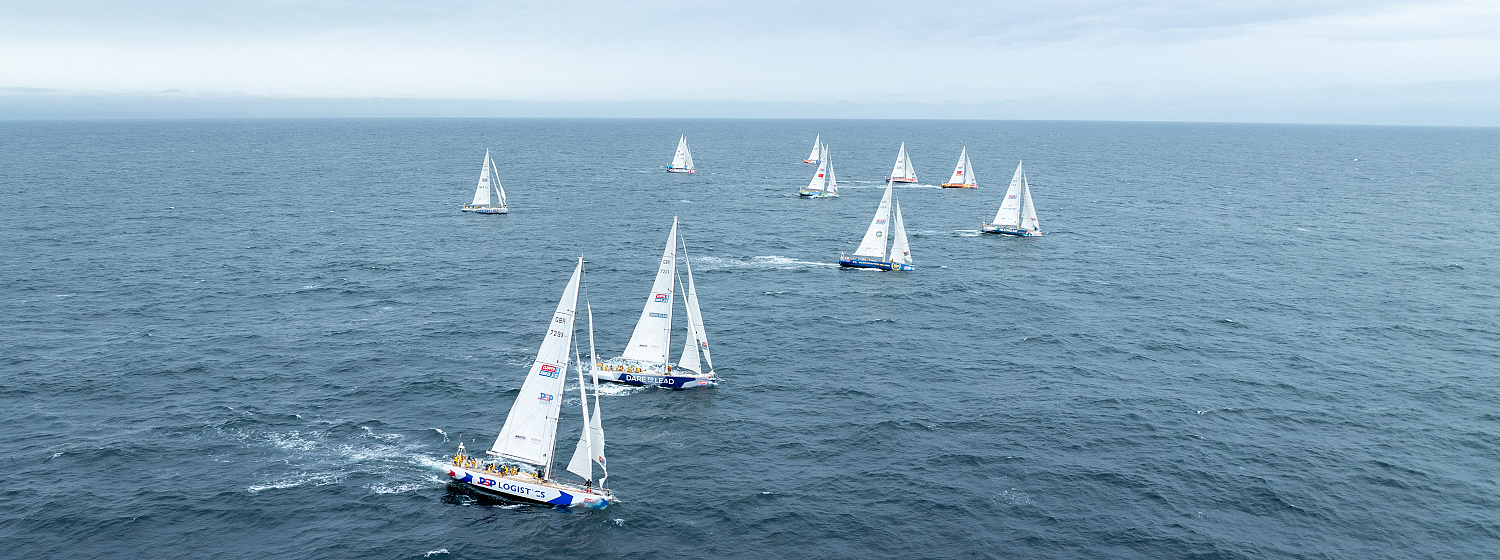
(1319, 61)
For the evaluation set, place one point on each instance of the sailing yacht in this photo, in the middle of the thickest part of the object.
(823, 184)
(481, 203)
(816, 151)
(682, 161)
(963, 173)
(1017, 216)
(519, 465)
(871, 252)
(644, 361)
(903, 172)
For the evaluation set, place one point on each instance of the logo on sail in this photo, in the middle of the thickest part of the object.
(661, 298)
(549, 370)
(659, 315)
(545, 397)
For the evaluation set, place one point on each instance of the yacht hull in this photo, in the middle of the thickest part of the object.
(482, 210)
(1002, 230)
(857, 262)
(528, 489)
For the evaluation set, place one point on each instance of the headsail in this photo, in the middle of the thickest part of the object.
(873, 245)
(1009, 214)
(817, 150)
(900, 251)
(960, 170)
(482, 191)
(833, 183)
(695, 317)
(651, 340)
(580, 464)
(530, 430)
(591, 439)
(689, 359)
(499, 190)
(1028, 211)
(969, 178)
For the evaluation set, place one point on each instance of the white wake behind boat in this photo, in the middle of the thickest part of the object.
(644, 361)
(817, 151)
(682, 161)
(823, 184)
(963, 173)
(481, 203)
(903, 172)
(519, 465)
(1017, 215)
(871, 252)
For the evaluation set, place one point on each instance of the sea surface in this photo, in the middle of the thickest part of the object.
(263, 339)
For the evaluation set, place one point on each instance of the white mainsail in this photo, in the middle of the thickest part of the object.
(651, 340)
(683, 159)
(821, 177)
(817, 149)
(1028, 211)
(482, 191)
(1009, 214)
(833, 183)
(530, 431)
(695, 316)
(873, 245)
(903, 169)
(900, 251)
(960, 170)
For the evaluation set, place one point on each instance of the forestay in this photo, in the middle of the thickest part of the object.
(530, 430)
(651, 339)
(1009, 214)
(873, 245)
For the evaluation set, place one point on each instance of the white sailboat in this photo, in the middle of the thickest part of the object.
(903, 171)
(817, 151)
(644, 361)
(519, 465)
(872, 249)
(823, 184)
(1017, 214)
(481, 203)
(963, 173)
(682, 161)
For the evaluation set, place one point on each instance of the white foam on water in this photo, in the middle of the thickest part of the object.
(967, 232)
(438, 551)
(314, 479)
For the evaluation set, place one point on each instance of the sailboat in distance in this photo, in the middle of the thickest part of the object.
(823, 184)
(644, 361)
(519, 465)
(481, 203)
(871, 252)
(963, 173)
(903, 172)
(682, 161)
(817, 151)
(1017, 215)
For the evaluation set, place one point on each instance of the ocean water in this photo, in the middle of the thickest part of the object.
(262, 338)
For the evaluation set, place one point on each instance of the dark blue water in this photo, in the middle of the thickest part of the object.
(258, 339)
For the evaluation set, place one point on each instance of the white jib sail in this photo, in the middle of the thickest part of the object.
(833, 182)
(900, 251)
(652, 338)
(969, 178)
(581, 464)
(596, 428)
(689, 359)
(959, 170)
(499, 190)
(1028, 211)
(1009, 214)
(482, 192)
(873, 245)
(821, 177)
(530, 430)
(817, 149)
(681, 159)
(695, 317)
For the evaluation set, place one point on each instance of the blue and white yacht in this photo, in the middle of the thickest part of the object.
(871, 252)
(1017, 216)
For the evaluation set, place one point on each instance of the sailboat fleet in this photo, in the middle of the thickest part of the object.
(520, 464)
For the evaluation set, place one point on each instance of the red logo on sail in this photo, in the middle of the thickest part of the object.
(661, 298)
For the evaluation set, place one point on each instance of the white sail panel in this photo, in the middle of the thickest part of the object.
(680, 159)
(900, 251)
(530, 430)
(482, 191)
(903, 169)
(873, 245)
(499, 190)
(689, 359)
(695, 317)
(581, 464)
(817, 149)
(596, 428)
(1028, 210)
(958, 170)
(1009, 214)
(651, 340)
(820, 177)
(969, 178)
(833, 182)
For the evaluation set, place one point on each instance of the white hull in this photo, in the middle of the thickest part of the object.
(531, 489)
(485, 210)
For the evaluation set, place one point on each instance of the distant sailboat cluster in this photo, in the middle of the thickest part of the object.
(520, 464)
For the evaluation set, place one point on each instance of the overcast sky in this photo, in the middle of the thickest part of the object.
(1376, 61)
